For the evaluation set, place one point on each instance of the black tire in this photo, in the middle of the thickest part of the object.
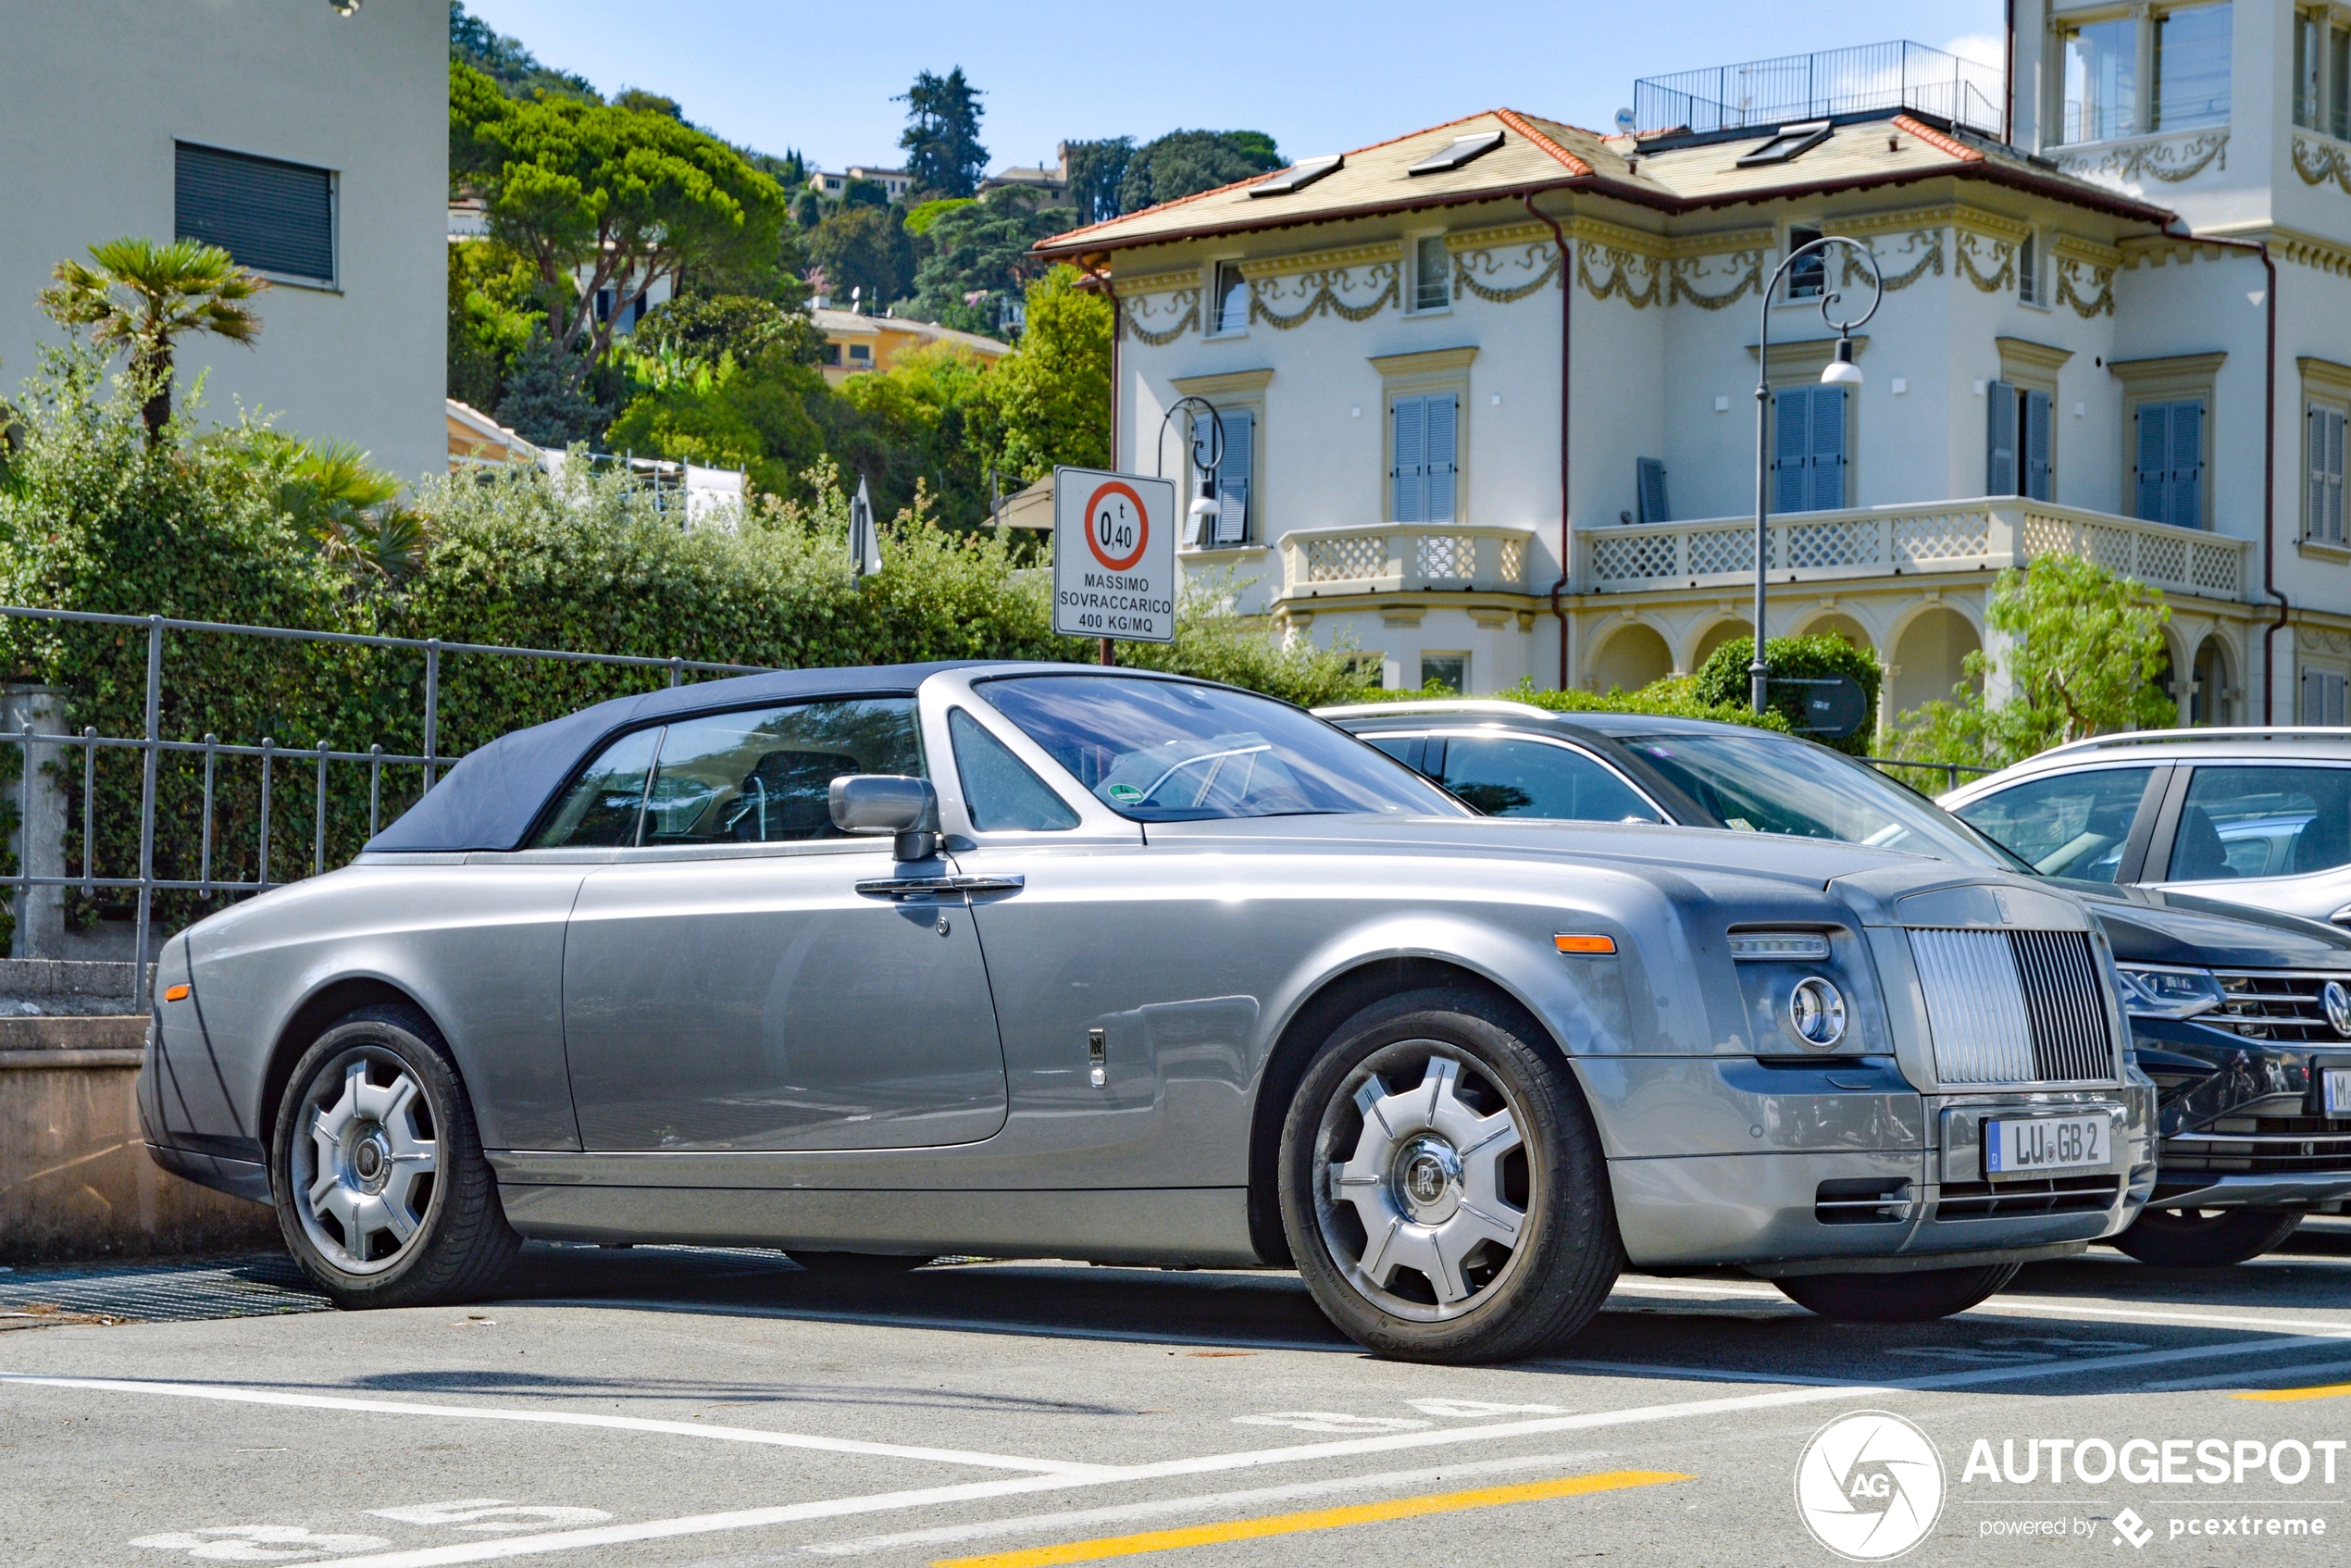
(858, 1265)
(459, 1240)
(1920, 1297)
(1509, 1301)
(2205, 1238)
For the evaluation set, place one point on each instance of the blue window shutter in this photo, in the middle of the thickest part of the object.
(1791, 444)
(2039, 473)
(1828, 448)
(2334, 424)
(2187, 463)
(1411, 488)
(2154, 462)
(1234, 476)
(2315, 441)
(1648, 476)
(1437, 460)
(2000, 424)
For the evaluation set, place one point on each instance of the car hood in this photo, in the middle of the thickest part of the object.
(2149, 926)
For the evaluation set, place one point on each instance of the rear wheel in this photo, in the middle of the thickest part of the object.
(377, 1170)
(1896, 1298)
(2205, 1238)
(1442, 1187)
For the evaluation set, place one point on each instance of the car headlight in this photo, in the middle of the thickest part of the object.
(2156, 990)
(1816, 1011)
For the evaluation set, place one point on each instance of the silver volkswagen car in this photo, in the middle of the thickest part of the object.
(876, 965)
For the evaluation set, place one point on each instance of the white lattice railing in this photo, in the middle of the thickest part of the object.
(1404, 555)
(1951, 536)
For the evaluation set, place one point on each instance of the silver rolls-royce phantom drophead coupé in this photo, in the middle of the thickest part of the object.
(877, 965)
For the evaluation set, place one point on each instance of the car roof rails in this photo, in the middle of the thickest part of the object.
(1438, 706)
(2241, 732)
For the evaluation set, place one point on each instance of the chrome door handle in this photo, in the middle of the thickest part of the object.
(937, 887)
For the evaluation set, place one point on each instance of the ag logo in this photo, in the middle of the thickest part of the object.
(1869, 1485)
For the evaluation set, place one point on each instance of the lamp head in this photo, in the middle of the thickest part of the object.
(1841, 372)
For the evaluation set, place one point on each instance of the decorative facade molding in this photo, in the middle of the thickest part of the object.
(2003, 255)
(1745, 275)
(1161, 283)
(1339, 259)
(1320, 289)
(2088, 251)
(1615, 236)
(1924, 244)
(2312, 251)
(1476, 272)
(2161, 250)
(2095, 297)
(1186, 300)
(2319, 161)
(1639, 281)
(1720, 241)
(2171, 160)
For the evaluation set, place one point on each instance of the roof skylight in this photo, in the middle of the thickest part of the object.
(1298, 176)
(1462, 150)
(1789, 142)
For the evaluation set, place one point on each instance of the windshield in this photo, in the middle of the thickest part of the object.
(1762, 784)
(1161, 750)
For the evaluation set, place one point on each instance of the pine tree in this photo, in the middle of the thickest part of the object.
(941, 138)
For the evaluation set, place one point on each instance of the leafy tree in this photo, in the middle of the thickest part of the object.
(865, 249)
(864, 193)
(348, 510)
(922, 214)
(1725, 682)
(504, 60)
(650, 102)
(699, 330)
(1097, 175)
(604, 198)
(491, 311)
(1184, 163)
(941, 137)
(980, 248)
(143, 298)
(2086, 649)
(1048, 400)
(546, 400)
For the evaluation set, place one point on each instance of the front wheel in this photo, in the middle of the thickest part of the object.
(1896, 1298)
(2205, 1238)
(377, 1170)
(1442, 1186)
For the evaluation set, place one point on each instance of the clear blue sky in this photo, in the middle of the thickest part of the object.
(1318, 76)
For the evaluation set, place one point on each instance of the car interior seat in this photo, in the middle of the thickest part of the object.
(2197, 854)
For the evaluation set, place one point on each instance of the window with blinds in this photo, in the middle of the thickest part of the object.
(1423, 480)
(2322, 696)
(2169, 469)
(273, 217)
(1807, 449)
(2323, 518)
(1236, 476)
(2018, 459)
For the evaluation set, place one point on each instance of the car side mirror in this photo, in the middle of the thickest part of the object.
(865, 804)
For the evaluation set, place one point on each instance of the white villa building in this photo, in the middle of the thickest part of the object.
(2116, 321)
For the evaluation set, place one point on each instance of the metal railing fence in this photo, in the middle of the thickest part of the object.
(152, 747)
(1950, 770)
(1835, 82)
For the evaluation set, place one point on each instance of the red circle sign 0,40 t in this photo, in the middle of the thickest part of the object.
(1116, 526)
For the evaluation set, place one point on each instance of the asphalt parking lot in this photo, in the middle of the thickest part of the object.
(725, 1410)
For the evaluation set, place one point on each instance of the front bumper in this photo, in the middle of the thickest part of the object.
(2242, 1122)
(1832, 1210)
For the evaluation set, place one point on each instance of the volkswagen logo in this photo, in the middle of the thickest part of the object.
(1869, 1485)
(2336, 999)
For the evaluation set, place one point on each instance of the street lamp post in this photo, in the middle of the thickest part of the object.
(1839, 371)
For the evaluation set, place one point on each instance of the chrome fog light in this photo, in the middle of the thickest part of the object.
(1816, 1011)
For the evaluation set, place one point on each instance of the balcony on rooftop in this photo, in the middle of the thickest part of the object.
(1867, 78)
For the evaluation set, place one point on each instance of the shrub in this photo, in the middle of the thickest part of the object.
(1723, 680)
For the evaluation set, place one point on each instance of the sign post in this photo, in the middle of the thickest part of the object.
(1113, 556)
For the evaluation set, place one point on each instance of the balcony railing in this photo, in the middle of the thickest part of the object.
(1403, 556)
(1836, 82)
(1873, 542)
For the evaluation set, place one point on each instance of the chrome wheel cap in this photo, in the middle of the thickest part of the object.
(1422, 1182)
(365, 1171)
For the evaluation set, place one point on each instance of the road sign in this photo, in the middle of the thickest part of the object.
(1114, 556)
(1835, 706)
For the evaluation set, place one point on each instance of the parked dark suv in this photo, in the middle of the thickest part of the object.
(2242, 1018)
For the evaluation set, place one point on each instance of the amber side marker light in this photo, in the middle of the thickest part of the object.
(1567, 943)
(175, 993)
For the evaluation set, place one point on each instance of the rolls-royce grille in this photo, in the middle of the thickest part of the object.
(2014, 1006)
(2056, 1195)
(2271, 1005)
(2261, 1146)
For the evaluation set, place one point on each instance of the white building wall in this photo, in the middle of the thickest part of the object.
(94, 94)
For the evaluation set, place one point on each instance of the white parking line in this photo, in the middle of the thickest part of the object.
(561, 1418)
(1072, 1518)
(1101, 1475)
(2300, 1369)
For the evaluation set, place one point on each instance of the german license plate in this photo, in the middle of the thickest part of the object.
(2339, 1091)
(2046, 1143)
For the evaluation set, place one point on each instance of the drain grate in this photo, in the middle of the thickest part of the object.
(260, 1286)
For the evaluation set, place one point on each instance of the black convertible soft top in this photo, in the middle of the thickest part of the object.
(491, 797)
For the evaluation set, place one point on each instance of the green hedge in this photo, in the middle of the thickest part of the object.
(1723, 679)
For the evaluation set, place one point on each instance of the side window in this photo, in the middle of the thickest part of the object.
(999, 791)
(766, 776)
(2074, 825)
(1397, 746)
(2262, 822)
(1505, 777)
(600, 809)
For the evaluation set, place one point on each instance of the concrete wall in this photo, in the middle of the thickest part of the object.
(92, 95)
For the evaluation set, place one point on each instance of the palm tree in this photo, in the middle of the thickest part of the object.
(347, 510)
(142, 296)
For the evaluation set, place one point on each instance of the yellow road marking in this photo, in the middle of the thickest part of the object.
(1313, 1519)
(2325, 1391)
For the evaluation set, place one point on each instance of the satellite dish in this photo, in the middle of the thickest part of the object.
(1624, 122)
